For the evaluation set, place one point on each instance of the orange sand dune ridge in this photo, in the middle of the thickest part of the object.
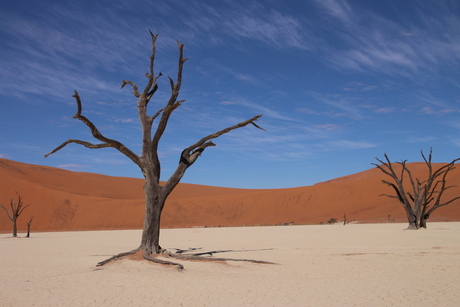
(65, 200)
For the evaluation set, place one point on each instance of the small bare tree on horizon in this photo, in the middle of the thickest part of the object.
(16, 210)
(148, 161)
(425, 196)
(29, 223)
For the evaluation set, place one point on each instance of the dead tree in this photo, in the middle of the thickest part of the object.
(423, 197)
(16, 210)
(148, 161)
(28, 227)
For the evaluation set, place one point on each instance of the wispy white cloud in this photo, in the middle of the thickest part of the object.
(350, 145)
(339, 9)
(273, 29)
(51, 61)
(424, 139)
(339, 102)
(24, 147)
(259, 108)
(359, 87)
(371, 42)
(247, 78)
(227, 102)
(125, 120)
(430, 110)
(453, 123)
(244, 21)
(328, 127)
(456, 142)
(384, 110)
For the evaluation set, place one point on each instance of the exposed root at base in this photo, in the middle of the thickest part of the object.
(199, 258)
(180, 267)
(147, 257)
(119, 256)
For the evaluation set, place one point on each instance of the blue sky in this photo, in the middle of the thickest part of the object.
(338, 83)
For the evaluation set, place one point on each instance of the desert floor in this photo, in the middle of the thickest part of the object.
(318, 265)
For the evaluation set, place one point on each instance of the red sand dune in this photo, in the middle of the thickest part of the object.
(65, 200)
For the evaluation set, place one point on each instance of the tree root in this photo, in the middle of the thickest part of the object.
(118, 256)
(147, 257)
(200, 258)
(180, 267)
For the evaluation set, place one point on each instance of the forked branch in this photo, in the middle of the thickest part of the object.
(191, 153)
(106, 142)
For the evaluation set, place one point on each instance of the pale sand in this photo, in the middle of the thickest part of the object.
(319, 265)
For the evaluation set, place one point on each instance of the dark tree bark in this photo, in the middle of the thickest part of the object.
(148, 161)
(28, 227)
(16, 210)
(423, 197)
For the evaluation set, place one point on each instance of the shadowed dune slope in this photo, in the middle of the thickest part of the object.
(65, 200)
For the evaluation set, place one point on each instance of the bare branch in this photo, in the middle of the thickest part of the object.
(200, 143)
(156, 115)
(86, 144)
(152, 80)
(135, 89)
(191, 153)
(21, 209)
(97, 135)
(388, 195)
(257, 126)
(7, 212)
(172, 103)
(444, 204)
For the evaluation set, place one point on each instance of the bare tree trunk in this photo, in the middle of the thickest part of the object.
(28, 227)
(423, 220)
(417, 218)
(154, 204)
(15, 229)
(412, 218)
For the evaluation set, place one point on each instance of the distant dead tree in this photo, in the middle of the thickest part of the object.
(148, 161)
(425, 196)
(28, 227)
(16, 210)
